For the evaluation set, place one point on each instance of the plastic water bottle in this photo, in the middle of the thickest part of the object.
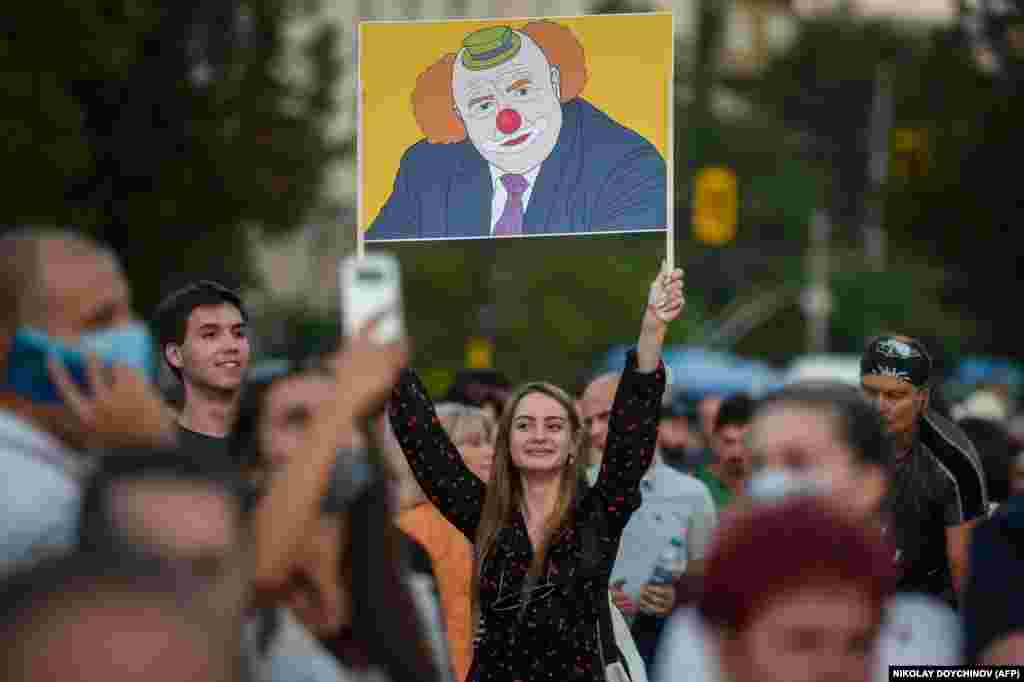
(669, 565)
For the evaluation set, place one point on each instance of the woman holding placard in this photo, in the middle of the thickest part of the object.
(544, 543)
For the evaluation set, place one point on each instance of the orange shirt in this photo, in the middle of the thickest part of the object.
(452, 557)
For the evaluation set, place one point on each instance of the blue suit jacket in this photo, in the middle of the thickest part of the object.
(600, 176)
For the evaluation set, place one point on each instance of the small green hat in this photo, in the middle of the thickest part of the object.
(489, 47)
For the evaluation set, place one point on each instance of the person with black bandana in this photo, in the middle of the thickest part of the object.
(937, 485)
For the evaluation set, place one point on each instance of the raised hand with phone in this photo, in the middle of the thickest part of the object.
(364, 369)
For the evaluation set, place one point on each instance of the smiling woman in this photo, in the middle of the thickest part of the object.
(544, 541)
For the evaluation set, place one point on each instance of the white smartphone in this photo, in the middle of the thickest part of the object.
(369, 286)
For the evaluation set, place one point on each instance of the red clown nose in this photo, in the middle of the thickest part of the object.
(509, 121)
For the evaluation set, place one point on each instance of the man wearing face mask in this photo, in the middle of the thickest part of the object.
(937, 485)
(682, 445)
(74, 361)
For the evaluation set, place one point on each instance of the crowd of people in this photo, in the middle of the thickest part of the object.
(327, 520)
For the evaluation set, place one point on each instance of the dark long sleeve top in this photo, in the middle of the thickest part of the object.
(550, 631)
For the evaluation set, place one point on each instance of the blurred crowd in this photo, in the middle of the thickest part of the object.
(324, 519)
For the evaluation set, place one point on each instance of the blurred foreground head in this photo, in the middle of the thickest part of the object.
(794, 592)
(184, 513)
(72, 290)
(166, 503)
(84, 618)
(820, 438)
(275, 414)
(347, 583)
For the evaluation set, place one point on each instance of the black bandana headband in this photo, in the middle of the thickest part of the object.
(889, 356)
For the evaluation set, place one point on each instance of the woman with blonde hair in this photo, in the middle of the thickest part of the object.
(545, 543)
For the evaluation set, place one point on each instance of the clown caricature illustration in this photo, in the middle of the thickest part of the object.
(511, 147)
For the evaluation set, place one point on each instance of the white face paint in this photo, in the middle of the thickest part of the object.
(512, 112)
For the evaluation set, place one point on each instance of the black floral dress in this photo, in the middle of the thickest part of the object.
(549, 630)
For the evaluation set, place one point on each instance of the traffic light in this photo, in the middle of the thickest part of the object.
(479, 353)
(910, 153)
(716, 206)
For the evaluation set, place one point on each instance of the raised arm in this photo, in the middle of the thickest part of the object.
(435, 462)
(633, 425)
(364, 374)
(665, 303)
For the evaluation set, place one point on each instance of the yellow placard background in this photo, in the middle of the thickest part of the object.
(629, 61)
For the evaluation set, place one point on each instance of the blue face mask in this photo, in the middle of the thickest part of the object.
(776, 485)
(130, 344)
(27, 362)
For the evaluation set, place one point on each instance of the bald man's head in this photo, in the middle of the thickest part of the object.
(596, 408)
(23, 252)
(61, 282)
(64, 285)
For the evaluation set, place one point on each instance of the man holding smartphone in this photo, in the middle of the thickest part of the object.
(203, 329)
(69, 296)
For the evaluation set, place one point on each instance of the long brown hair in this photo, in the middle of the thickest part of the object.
(504, 491)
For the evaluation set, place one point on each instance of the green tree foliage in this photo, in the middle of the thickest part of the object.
(950, 259)
(964, 210)
(550, 305)
(822, 89)
(170, 130)
(557, 302)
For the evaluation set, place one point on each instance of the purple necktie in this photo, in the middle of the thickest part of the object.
(511, 220)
